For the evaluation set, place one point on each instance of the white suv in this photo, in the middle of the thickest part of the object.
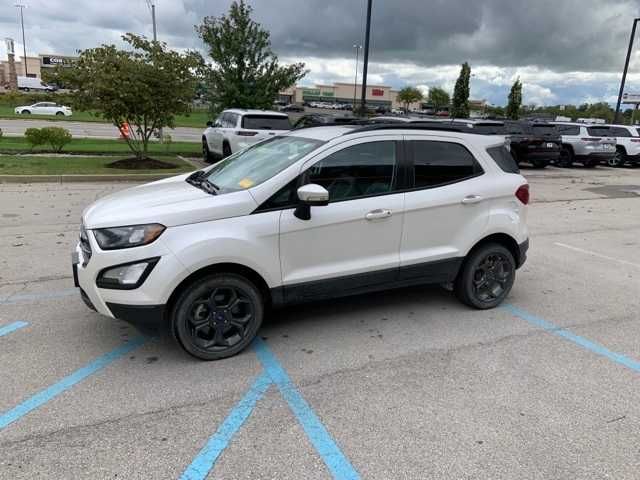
(236, 129)
(315, 213)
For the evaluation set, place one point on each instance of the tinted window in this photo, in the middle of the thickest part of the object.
(266, 122)
(620, 132)
(357, 171)
(490, 128)
(504, 159)
(568, 129)
(439, 163)
(599, 131)
(514, 129)
(544, 129)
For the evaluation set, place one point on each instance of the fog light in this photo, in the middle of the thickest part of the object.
(127, 276)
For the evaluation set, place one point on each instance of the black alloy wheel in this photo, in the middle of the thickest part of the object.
(218, 317)
(617, 160)
(566, 158)
(487, 277)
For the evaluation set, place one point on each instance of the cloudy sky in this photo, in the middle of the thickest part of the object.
(564, 51)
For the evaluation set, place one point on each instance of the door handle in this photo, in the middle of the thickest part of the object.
(378, 214)
(470, 199)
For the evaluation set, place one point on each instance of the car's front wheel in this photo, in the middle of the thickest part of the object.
(218, 316)
(207, 156)
(486, 277)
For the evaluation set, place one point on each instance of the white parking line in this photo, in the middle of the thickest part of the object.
(594, 254)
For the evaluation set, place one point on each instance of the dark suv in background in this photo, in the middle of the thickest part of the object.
(536, 143)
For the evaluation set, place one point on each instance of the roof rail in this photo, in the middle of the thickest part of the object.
(435, 126)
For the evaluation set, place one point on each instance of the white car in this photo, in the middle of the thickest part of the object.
(313, 214)
(627, 143)
(44, 108)
(236, 129)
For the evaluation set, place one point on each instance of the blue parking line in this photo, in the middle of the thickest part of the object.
(30, 297)
(334, 459)
(56, 389)
(205, 460)
(12, 327)
(572, 337)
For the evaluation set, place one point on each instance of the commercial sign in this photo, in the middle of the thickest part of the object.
(377, 92)
(51, 61)
(631, 98)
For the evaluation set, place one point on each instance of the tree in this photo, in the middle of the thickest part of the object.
(460, 104)
(515, 100)
(409, 95)
(438, 98)
(145, 86)
(245, 71)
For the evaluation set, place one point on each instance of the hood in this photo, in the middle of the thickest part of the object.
(171, 202)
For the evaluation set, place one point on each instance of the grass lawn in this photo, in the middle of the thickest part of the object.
(197, 119)
(74, 165)
(11, 145)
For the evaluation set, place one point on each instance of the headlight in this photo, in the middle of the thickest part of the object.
(126, 237)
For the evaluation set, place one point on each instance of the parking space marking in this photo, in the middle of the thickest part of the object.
(594, 254)
(61, 386)
(28, 297)
(572, 337)
(206, 459)
(12, 327)
(332, 456)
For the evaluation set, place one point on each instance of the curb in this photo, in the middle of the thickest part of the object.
(140, 177)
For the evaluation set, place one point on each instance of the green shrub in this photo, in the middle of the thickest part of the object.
(34, 137)
(57, 137)
(0, 134)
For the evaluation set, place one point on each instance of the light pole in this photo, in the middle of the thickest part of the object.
(152, 6)
(24, 45)
(355, 82)
(624, 72)
(365, 65)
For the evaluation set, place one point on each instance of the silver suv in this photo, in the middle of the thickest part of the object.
(583, 143)
(627, 140)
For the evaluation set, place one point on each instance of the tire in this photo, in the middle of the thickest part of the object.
(539, 164)
(207, 156)
(618, 160)
(226, 150)
(486, 277)
(212, 331)
(25, 112)
(565, 160)
(59, 113)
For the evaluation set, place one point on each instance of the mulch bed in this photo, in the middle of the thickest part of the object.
(134, 163)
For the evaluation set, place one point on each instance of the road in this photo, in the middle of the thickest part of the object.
(91, 129)
(408, 384)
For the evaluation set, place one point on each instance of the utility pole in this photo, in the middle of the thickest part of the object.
(24, 45)
(366, 60)
(624, 72)
(153, 19)
(355, 82)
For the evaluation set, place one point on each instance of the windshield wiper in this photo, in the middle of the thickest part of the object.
(197, 179)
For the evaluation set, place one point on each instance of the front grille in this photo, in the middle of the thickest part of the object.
(85, 246)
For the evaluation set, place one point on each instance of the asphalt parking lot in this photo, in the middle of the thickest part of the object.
(408, 384)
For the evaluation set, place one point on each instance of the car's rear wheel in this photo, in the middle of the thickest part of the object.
(59, 113)
(218, 316)
(486, 277)
(25, 112)
(618, 160)
(539, 163)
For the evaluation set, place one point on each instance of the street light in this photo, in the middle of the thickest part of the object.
(624, 72)
(355, 82)
(24, 45)
(365, 66)
(152, 6)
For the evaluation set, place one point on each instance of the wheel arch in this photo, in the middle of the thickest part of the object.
(621, 148)
(503, 239)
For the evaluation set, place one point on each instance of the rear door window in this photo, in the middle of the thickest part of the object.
(266, 122)
(441, 163)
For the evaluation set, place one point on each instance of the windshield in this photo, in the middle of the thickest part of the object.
(266, 122)
(256, 164)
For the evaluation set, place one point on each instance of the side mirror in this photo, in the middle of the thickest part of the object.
(209, 123)
(310, 195)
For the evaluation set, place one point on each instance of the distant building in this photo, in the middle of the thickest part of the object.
(35, 65)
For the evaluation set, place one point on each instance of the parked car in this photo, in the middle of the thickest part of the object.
(537, 143)
(580, 145)
(27, 84)
(292, 107)
(321, 119)
(44, 108)
(627, 143)
(236, 129)
(308, 215)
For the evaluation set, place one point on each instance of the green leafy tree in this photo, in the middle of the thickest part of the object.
(409, 95)
(438, 98)
(245, 72)
(515, 100)
(460, 104)
(145, 86)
